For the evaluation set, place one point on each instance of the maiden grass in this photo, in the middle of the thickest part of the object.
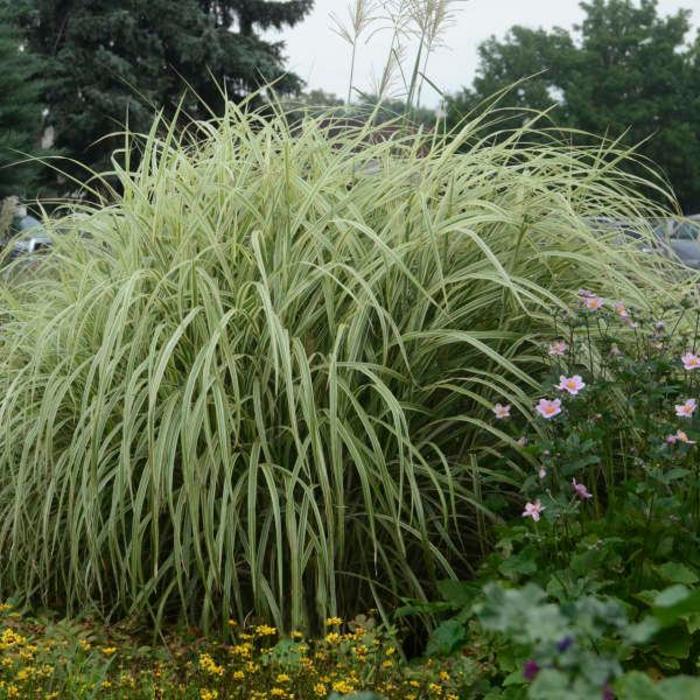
(260, 377)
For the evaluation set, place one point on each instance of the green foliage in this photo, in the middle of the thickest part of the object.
(626, 71)
(604, 580)
(261, 379)
(112, 63)
(20, 112)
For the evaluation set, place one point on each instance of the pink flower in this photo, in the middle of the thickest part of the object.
(690, 361)
(533, 510)
(580, 490)
(593, 302)
(621, 310)
(571, 384)
(558, 348)
(501, 412)
(548, 409)
(686, 410)
(585, 293)
(680, 436)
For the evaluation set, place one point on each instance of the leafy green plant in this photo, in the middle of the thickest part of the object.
(601, 577)
(261, 378)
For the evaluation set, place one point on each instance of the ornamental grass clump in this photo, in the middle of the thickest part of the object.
(259, 377)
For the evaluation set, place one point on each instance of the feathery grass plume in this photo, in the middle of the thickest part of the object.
(262, 379)
(361, 16)
(431, 20)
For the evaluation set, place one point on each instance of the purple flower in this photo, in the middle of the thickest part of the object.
(530, 669)
(564, 644)
(608, 693)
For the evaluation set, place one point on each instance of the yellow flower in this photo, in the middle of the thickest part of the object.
(232, 623)
(278, 693)
(242, 650)
(297, 635)
(343, 687)
(4, 607)
(12, 691)
(333, 622)
(208, 665)
(106, 684)
(320, 690)
(24, 674)
(108, 651)
(444, 676)
(85, 645)
(265, 631)
(11, 638)
(282, 678)
(387, 663)
(391, 651)
(333, 638)
(238, 675)
(414, 683)
(434, 689)
(206, 694)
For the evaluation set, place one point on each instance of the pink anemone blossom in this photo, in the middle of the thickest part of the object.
(690, 361)
(621, 310)
(533, 510)
(501, 412)
(558, 348)
(549, 408)
(679, 436)
(580, 490)
(686, 409)
(573, 385)
(593, 302)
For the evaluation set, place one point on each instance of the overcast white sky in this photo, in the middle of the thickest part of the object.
(321, 58)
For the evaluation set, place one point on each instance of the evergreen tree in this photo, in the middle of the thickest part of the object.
(113, 61)
(20, 113)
